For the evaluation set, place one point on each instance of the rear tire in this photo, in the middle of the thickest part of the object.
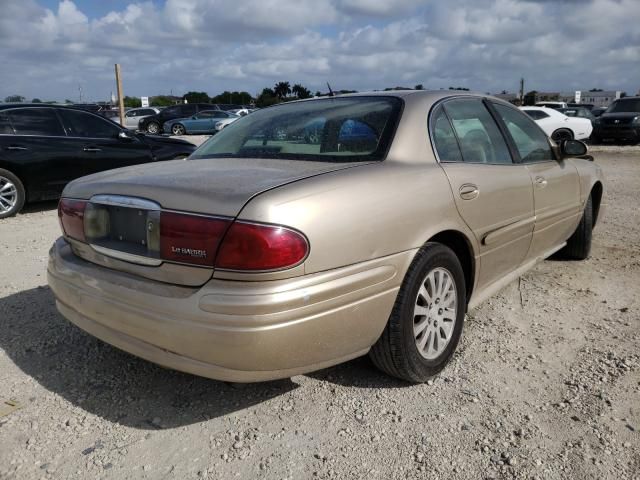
(413, 345)
(578, 246)
(561, 135)
(153, 128)
(178, 129)
(12, 194)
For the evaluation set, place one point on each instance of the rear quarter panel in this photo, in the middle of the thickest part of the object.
(362, 213)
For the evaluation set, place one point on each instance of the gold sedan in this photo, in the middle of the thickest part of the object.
(313, 232)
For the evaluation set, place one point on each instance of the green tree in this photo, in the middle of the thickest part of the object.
(14, 99)
(530, 97)
(596, 90)
(266, 98)
(419, 87)
(68, 101)
(459, 88)
(238, 98)
(301, 92)
(196, 97)
(132, 102)
(161, 101)
(282, 89)
(36, 100)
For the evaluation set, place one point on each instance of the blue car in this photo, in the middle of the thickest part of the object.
(352, 132)
(206, 121)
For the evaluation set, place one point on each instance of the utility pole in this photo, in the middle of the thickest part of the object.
(120, 97)
(80, 92)
(521, 91)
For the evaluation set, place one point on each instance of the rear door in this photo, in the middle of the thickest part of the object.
(556, 183)
(36, 149)
(97, 146)
(493, 194)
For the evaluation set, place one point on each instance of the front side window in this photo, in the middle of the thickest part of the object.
(480, 138)
(83, 124)
(35, 121)
(332, 129)
(443, 137)
(531, 142)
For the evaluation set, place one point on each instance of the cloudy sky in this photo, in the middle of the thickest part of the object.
(50, 47)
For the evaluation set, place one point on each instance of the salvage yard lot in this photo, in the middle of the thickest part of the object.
(545, 385)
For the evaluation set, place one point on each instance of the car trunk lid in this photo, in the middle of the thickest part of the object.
(122, 219)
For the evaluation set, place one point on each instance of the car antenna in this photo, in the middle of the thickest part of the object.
(331, 94)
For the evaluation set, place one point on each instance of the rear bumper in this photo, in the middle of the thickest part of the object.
(231, 330)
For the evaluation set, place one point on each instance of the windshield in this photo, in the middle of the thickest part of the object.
(624, 106)
(330, 129)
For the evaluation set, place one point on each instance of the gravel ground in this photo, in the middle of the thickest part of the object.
(546, 384)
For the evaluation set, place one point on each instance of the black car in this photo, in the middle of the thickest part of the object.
(597, 111)
(42, 148)
(621, 121)
(154, 124)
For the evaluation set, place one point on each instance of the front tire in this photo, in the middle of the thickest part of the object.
(12, 194)
(426, 322)
(578, 246)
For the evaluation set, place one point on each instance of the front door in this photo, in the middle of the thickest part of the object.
(556, 185)
(493, 195)
(98, 146)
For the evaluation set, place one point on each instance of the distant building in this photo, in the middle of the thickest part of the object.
(508, 97)
(597, 99)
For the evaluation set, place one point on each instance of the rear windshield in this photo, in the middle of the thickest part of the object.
(331, 129)
(625, 106)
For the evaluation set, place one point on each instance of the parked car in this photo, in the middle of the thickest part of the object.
(263, 256)
(588, 106)
(579, 112)
(133, 116)
(206, 121)
(621, 121)
(555, 105)
(42, 148)
(154, 124)
(559, 126)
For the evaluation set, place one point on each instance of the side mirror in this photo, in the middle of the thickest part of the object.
(573, 148)
(193, 117)
(125, 136)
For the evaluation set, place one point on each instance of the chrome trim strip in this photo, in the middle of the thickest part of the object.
(125, 201)
(127, 257)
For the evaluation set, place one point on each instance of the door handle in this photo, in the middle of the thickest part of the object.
(16, 147)
(469, 191)
(541, 182)
(92, 149)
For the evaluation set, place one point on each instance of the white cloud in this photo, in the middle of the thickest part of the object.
(214, 45)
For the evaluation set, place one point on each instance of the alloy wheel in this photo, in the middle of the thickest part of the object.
(8, 195)
(434, 314)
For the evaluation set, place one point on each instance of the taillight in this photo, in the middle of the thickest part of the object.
(255, 247)
(190, 239)
(71, 216)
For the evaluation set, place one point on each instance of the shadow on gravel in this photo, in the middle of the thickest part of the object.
(359, 373)
(39, 207)
(110, 383)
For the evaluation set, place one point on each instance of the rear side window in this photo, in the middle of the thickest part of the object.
(531, 142)
(35, 121)
(444, 138)
(536, 114)
(480, 139)
(83, 124)
(5, 125)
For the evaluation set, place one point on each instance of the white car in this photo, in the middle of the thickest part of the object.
(558, 126)
(555, 105)
(133, 116)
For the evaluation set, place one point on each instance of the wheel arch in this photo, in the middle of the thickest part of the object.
(596, 198)
(462, 247)
(18, 173)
